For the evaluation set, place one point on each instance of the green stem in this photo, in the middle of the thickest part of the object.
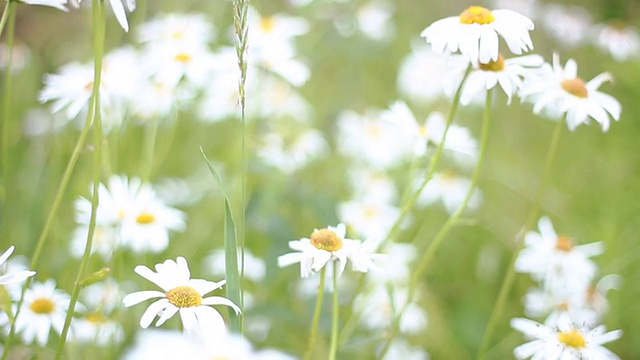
(408, 206)
(334, 315)
(316, 317)
(98, 47)
(427, 256)
(5, 15)
(10, 14)
(533, 213)
(151, 135)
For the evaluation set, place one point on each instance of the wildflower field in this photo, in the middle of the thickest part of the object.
(319, 179)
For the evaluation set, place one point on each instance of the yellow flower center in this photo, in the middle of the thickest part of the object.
(564, 243)
(497, 65)
(178, 34)
(184, 296)
(423, 131)
(182, 57)
(267, 23)
(572, 338)
(575, 86)
(477, 15)
(42, 305)
(326, 239)
(145, 218)
(370, 211)
(96, 318)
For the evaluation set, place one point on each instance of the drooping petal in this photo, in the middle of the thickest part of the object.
(118, 11)
(152, 311)
(218, 300)
(140, 296)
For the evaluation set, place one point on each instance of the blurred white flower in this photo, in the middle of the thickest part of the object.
(174, 27)
(12, 277)
(475, 33)
(254, 267)
(44, 308)
(96, 328)
(180, 294)
(374, 19)
(556, 260)
(569, 25)
(451, 190)
(289, 155)
(564, 341)
(553, 304)
(423, 73)
(561, 91)
(528, 8)
(369, 217)
(379, 306)
(619, 39)
(401, 349)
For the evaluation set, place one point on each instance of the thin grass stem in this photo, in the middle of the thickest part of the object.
(334, 315)
(316, 317)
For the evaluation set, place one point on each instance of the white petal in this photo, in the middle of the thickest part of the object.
(140, 296)
(152, 311)
(6, 254)
(219, 300)
(118, 10)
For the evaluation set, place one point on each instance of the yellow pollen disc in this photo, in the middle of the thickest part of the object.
(423, 131)
(89, 86)
(177, 34)
(326, 239)
(182, 57)
(572, 338)
(184, 296)
(96, 318)
(575, 86)
(267, 23)
(563, 306)
(145, 218)
(42, 306)
(564, 243)
(497, 65)
(370, 212)
(477, 15)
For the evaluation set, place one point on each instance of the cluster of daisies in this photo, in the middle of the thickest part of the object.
(566, 298)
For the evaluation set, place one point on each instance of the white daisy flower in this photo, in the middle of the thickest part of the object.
(44, 307)
(190, 28)
(369, 217)
(254, 267)
(401, 349)
(556, 260)
(507, 73)
(422, 74)
(58, 4)
(326, 245)
(560, 91)
(119, 11)
(451, 189)
(569, 25)
(379, 307)
(619, 39)
(290, 153)
(475, 33)
(565, 341)
(180, 294)
(15, 277)
(97, 328)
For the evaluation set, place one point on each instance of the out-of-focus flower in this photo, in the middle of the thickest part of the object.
(374, 19)
(451, 190)
(44, 308)
(564, 341)
(327, 245)
(97, 328)
(556, 260)
(20, 57)
(370, 217)
(400, 349)
(559, 90)
(423, 73)
(475, 33)
(289, 155)
(254, 267)
(190, 28)
(528, 8)
(180, 294)
(619, 39)
(378, 308)
(14, 277)
(118, 10)
(569, 25)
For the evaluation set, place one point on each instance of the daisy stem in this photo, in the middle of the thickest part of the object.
(151, 134)
(434, 160)
(334, 315)
(98, 50)
(533, 213)
(427, 256)
(66, 177)
(316, 317)
(10, 11)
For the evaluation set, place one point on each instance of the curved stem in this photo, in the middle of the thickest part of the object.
(433, 247)
(10, 11)
(316, 317)
(5, 15)
(510, 275)
(99, 35)
(334, 315)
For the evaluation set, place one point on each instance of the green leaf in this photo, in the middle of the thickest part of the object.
(232, 273)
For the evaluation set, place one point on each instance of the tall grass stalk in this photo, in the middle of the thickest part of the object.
(333, 350)
(9, 15)
(529, 222)
(99, 25)
(427, 256)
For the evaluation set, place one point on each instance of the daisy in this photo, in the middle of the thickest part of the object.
(561, 91)
(507, 73)
(326, 245)
(401, 349)
(180, 294)
(15, 277)
(379, 306)
(118, 10)
(370, 217)
(290, 153)
(44, 307)
(556, 259)
(451, 189)
(619, 39)
(422, 74)
(564, 341)
(569, 25)
(475, 33)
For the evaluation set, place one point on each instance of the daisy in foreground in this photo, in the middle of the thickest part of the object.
(475, 33)
(180, 294)
(15, 277)
(566, 341)
(326, 245)
(561, 91)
